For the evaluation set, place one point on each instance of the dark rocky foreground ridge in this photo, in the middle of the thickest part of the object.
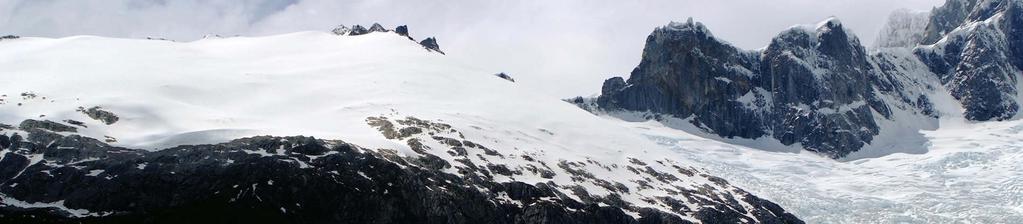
(818, 86)
(48, 174)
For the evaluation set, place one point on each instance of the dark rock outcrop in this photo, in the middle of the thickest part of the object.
(403, 31)
(47, 125)
(301, 180)
(358, 30)
(376, 27)
(819, 87)
(431, 45)
(813, 86)
(975, 48)
(947, 18)
(97, 113)
(505, 77)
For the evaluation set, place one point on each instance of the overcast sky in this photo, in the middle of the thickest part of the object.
(561, 47)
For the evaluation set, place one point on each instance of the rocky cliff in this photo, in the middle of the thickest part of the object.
(979, 59)
(818, 87)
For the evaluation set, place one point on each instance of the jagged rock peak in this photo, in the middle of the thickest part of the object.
(963, 34)
(955, 13)
(431, 45)
(376, 27)
(813, 85)
(829, 35)
(341, 30)
(402, 30)
(505, 76)
(358, 30)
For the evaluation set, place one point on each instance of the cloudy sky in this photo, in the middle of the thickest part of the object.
(560, 47)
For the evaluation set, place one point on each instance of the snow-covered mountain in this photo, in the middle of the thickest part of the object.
(119, 130)
(816, 87)
(979, 60)
(905, 28)
(371, 125)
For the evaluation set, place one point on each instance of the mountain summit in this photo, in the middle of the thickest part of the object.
(818, 87)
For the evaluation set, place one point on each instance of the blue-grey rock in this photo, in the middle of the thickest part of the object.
(813, 86)
(403, 31)
(977, 54)
(358, 30)
(504, 76)
(431, 45)
(376, 27)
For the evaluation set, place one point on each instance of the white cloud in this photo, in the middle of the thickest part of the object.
(563, 48)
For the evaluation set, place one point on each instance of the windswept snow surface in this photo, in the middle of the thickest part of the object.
(314, 83)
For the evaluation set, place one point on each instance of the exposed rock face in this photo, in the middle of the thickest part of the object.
(673, 67)
(376, 27)
(307, 180)
(811, 85)
(977, 54)
(341, 30)
(905, 28)
(823, 97)
(97, 113)
(358, 30)
(29, 125)
(819, 87)
(504, 76)
(431, 44)
(947, 18)
(402, 30)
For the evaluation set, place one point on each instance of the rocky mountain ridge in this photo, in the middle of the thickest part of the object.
(48, 174)
(819, 87)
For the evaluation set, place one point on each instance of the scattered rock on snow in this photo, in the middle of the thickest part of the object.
(97, 113)
(504, 76)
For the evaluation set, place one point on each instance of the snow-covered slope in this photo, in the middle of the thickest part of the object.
(372, 90)
(375, 90)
